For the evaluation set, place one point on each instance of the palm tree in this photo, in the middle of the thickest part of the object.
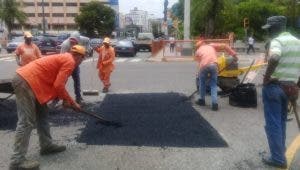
(10, 12)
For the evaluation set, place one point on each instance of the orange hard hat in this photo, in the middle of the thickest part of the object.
(78, 49)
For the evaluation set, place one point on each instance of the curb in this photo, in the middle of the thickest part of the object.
(6, 55)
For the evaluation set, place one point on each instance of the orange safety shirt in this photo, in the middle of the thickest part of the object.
(28, 53)
(207, 54)
(47, 76)
(106, 58)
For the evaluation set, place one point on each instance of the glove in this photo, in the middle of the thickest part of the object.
(74, 106)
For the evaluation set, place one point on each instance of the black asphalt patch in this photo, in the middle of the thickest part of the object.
(156, 119)
(8, 115)
(57, 116)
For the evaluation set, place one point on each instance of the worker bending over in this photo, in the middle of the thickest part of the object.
(35, 85)
(206, 56)
(105, 63)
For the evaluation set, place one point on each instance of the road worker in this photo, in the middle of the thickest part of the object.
(27, 51)
(74, 39)
(35, 84)
(105, 63)
(206, 56)
(280, 85)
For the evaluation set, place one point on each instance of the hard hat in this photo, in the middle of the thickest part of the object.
(27, 34)
(199, 43)
(275, 21)
(106, 40)
(78, 49)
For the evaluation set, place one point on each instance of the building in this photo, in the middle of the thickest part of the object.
(138, 18)
(59, 14)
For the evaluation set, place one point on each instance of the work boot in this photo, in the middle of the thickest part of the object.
(269, 161)
(105, 90)
(201, 102)
(25, 165)
(52, 148)
(215, 107)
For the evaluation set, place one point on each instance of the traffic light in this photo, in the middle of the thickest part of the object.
(246, 23)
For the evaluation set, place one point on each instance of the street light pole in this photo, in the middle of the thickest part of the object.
(187, 11)
(44, 24)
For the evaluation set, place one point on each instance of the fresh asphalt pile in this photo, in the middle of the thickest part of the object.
(154, 119)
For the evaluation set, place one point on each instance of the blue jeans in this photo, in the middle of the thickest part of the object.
(76, 80)
(211, 71)
(275, 111)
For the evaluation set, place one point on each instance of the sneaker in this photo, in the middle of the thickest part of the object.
(215, 107)
(52, 148)
(269, 161)
(105, 90)
(25, 165)
(201, 102)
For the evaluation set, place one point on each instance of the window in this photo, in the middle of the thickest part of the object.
(41, 15)
(58, 15)
(71, 14)
(28, 3)
(72, 27)
(41, 4)
(57, 4)
(30, 14)
(71, 4)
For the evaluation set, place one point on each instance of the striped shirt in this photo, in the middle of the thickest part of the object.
(287, 47)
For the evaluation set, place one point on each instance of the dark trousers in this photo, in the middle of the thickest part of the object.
(250, 47)
(76, 80)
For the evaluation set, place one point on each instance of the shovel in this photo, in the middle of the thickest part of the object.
(101, 119)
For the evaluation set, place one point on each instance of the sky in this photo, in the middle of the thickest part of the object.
(155, 7)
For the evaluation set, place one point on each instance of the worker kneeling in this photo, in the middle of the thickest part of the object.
(35, 85)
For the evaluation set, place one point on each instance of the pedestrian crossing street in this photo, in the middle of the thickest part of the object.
(119, 60)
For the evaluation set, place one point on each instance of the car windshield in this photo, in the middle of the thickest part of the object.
(18, 39)
(124, 43)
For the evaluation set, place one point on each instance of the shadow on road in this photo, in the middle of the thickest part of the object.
(155, 119)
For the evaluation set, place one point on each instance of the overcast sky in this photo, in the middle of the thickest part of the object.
(155, 7)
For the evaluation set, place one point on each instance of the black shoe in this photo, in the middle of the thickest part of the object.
(52, 148)
(215, 107)
(201, 102)
(79, 100)
(270, 162)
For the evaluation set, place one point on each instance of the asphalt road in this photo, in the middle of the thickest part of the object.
(159, 131)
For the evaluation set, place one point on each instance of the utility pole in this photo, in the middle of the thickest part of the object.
(44, 20)
(166, 16)
(187, 22)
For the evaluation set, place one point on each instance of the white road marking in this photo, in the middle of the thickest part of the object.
(135, 60)
(119, 60)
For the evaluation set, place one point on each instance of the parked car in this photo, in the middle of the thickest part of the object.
(125, 48)
(95, 42)
(47, 44)
(14, 43)
(62, 37)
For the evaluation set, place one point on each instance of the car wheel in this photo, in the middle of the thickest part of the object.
(43, 52)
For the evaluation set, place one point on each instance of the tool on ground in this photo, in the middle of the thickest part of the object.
(102, 120)
(92, 83)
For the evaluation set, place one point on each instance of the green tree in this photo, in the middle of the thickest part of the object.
(10, 13)
(96, 18)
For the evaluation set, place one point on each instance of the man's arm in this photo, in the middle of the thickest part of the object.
(18, 55)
